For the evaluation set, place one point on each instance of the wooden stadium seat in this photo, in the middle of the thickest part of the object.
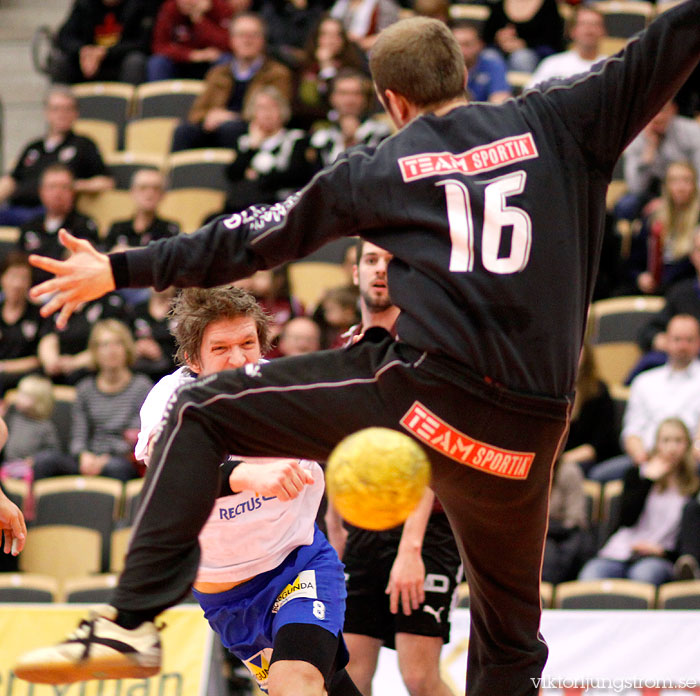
(518, 80)
(90, 589)
(93, 502)
(189, 207)
(200, 168)
(151, 136)
(616, 323)
(625, 18)
(28, 587)
(592, 490)
(132, 493)
(609, 509)
(118, 547)
(682, 594)
(123, 165)
(166, 98)
(62, 551)
(605, 594)
(547, 594)
(9, 236)
(105, 101)
(477, 14)
(308, 280)
(105, 134)
(106, 207)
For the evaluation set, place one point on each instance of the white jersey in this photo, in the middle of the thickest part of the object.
(246, 533)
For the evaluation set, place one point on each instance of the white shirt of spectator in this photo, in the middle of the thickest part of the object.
(564, 64)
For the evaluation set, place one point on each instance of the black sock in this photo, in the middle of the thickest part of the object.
(133, 619)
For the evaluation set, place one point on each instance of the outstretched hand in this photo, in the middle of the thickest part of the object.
(12, 526)
(85, 275)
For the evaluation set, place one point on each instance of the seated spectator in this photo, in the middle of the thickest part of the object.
(486, 70)
(103, 40)
(645, 544)
(106, 410)
(328, 51)
(40, 235)
(19, 190)
(215, 117)
(21, 325)
(189, 36)
(364, 19)
(144, 226)
(348, 121)
(659, 253)
(154, 342)
(270, 159)
(33, 439)
(667, 138)
(568, 542)
(587, 32)
(592, 437)
(682, 297)
(289, 25)
(300, 335)
(524, 32)
(336, 313)
(271, 289)
(435, 9)
(64, 355)
(687, 566)
(671, 390)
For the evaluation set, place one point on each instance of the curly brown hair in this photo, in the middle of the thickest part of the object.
(195, 308)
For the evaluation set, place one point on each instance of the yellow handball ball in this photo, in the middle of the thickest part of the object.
(376, 477)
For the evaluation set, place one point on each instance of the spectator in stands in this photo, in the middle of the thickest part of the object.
(188, 38)
(435, 9)
(586, 33)
(328, 51)
(144, 226)
(290, 23)
(671, 390)
(681, 298)
(667, 138)
(592, 436)
(154, 342)
(106, 410)
(568, 542)
(21, 325)
(19, 190)
(486, 70)
(57, 196)
(300, 335)
(64, 355)
(336, 313)
(524, 31)
(103, 40)
(348, 121)
(215, 117)
(270, 159)
(33, 444)
(645, 544)
(659, 254)
(364, 19)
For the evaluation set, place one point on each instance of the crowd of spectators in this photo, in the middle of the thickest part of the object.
(285, 87)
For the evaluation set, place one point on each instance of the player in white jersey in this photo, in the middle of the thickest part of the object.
(269, 583)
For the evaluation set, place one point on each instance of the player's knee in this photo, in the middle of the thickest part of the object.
(420, 679)
(294, 678)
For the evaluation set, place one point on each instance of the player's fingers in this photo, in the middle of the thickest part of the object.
(19, 531)
(406, 604)
(65, 314)
(393, 593)
(7, 542)
(45, 264)
(308, 478)
(73, 244)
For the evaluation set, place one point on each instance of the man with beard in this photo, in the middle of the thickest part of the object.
(400, 581)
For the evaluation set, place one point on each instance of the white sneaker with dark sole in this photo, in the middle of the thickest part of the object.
(97, 649)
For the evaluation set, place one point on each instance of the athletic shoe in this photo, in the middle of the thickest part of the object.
(686, 568)
(97, 649)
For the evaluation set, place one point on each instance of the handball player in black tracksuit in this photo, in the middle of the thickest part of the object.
(494, 215)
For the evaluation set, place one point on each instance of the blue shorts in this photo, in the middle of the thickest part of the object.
(308, 587)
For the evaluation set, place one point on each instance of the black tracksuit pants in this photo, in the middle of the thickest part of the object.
(302, 407)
